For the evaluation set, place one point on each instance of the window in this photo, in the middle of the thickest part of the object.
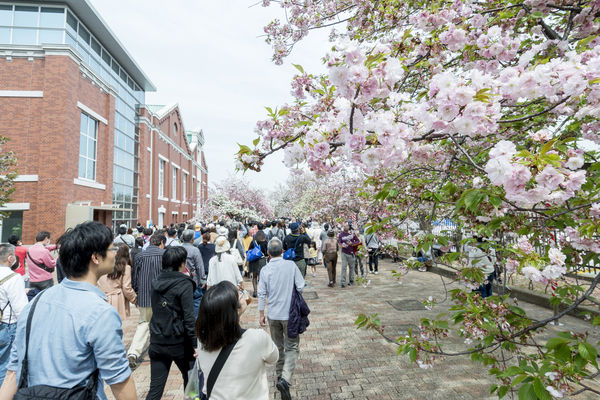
(174, 196)
(84, 35)
(87, 147)
(183, 187)
(161, 178)
(71, 22)
(96, 46)
(175, 128)
(6, 15)
(51, 17)
(26, 16)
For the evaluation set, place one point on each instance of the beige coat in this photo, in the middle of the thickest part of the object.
(119, 292)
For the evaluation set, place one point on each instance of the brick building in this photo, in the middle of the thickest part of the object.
(72, 103)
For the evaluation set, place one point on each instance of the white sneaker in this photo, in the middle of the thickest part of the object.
(376, 272)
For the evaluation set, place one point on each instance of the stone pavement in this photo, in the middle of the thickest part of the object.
(337, 361)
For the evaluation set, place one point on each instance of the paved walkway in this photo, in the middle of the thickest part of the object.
(337, 361)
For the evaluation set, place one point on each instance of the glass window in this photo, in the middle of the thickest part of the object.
(183, 187)
(123, 76)
(26, 16)
(106, 57)
(95, 46)
(87, 147)
(84, 35)
(71, 21)
(5, 35)
(70, 40)
(51, 17)
(174, 189)
(161, 178)
(24, 36)
(115, 67)
(50, 36)
(5, 15)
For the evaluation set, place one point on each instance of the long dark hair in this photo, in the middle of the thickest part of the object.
(218, 322)
(122, 260)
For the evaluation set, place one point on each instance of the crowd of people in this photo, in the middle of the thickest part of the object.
(187, 282)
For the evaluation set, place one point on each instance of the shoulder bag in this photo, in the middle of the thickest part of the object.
(254, 253)
(43, 266)
(83, 391)
(290, 253)
(218, 366)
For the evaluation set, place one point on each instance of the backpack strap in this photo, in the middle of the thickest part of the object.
(43, 266)
(218, 366)
(24, 368)
(7, 278)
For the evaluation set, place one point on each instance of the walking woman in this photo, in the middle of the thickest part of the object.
(244, 375)
(117, 285)
(223, 266)
(172, 336)
(260, 239)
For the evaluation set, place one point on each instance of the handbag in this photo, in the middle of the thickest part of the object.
(254, 253)
(193, 390)
(236, 253)
(218, 366)
(82, 391)
(290, 253)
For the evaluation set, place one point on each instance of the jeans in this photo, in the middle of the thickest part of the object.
(161, 358)
(348, 261)
(486, 288)
(42, 284)
(288, 349)
(142, 332)
(359, 264)
(198, 293)
(7, 336)
(373, 261)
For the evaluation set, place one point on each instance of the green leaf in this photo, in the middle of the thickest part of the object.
(412, 353)
(540, 390)
(299, 68)
(536, 14)
(502, 391)
(512, 370)
(555, 342)
(256, 141)
(526, 392)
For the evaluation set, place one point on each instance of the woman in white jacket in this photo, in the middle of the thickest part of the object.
(223, 266)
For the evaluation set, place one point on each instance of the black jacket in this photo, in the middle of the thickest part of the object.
(173, 317)
(299, 241)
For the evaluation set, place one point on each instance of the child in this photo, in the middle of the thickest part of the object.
(312, 257)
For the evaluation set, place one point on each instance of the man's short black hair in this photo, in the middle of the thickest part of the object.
(14, 240)
(77, 246)
(122, 230)
(41, 236)
(147, 231)
(157, 239)
(173, 258)
(172, 232)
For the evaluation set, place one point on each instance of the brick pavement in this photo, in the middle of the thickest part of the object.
(337, 361)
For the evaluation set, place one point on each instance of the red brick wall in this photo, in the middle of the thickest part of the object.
(44, 133)
(159, 146)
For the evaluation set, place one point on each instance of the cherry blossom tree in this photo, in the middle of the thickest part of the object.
(485, 112)
(234, 198)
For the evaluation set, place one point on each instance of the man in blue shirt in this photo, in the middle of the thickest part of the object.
(277, 281)
(74, 330)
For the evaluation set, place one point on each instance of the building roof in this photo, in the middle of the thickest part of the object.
(160, 109)
(96, 24)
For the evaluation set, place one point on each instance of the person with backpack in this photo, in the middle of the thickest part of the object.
(12, 301)
(123, 237)
(172, 336)
(296, 241)
(260, 240)
(79, 331)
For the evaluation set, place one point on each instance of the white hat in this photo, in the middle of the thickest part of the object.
(221, 244)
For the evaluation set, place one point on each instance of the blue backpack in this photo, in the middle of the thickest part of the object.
(254, 253)
(290, 253)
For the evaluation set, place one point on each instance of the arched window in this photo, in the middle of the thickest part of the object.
(175, 127)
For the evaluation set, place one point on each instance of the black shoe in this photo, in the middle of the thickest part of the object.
(284, 388)
(254, 294)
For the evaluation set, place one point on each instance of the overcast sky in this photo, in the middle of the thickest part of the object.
(211, 59)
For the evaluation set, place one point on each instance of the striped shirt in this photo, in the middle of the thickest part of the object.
(146, 266)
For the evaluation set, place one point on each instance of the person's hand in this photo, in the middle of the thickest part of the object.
(262, 321)
(204, 286)
(241, 285)
(195, 353)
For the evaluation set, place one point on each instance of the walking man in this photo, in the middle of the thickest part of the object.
(146, 267)
(348, 241)
(276, 285)
(12, 301)
(40, 262)
(75, 332)
(195, 266)
(123, 237)
(296, 240)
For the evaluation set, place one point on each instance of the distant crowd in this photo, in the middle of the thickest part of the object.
(187, 281)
